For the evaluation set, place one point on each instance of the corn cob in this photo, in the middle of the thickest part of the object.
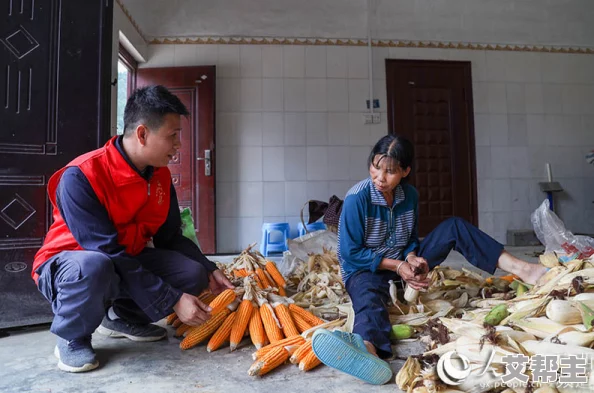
(222, 334)
(259, 282)
(170, 318)
(221, 301)
(284, 316)
(207, 297)
(197, 334)
(286, 342)
(309, 361)
(273, 359)
(177, 323)
(281, 291)
(263, 278)
(300, 323)
(181, 330)
(244, 312)
(271, 324)
(306, 315)
(240, 273)
(256, 329)
(275, 274)
(300, 352)
(204, 294)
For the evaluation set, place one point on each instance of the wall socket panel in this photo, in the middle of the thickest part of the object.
(372, 118)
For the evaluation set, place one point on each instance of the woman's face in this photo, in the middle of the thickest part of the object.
(386, 173)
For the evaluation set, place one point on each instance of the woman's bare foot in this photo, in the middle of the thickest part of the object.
(370, 348)
(528, 272)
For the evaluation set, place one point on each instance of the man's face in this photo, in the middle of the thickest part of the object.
(163, 143)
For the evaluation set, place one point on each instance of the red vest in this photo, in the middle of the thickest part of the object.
(136, 208)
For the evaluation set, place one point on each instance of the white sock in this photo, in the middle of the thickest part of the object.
(111, 314)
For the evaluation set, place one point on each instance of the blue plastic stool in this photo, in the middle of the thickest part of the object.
(315, 226)
(266, 245)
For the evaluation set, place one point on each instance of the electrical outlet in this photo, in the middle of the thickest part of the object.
(376, 103)
(376, 118)
(367, 118)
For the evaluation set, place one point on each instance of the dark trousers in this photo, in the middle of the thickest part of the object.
(80, 285)
(369, 291)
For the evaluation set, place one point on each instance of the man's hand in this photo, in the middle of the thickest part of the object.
(420, 265)
(407, 273)
(191, 311)
(218, 282)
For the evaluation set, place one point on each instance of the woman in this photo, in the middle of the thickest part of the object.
(378, 241)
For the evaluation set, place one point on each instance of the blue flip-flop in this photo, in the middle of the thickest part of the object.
(346, 352)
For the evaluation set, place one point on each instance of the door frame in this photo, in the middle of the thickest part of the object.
(392, 66)
(205, 108)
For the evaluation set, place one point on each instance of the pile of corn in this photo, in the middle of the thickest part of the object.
(251, 263)
(279, 329)
(479, 318)
(318, 285)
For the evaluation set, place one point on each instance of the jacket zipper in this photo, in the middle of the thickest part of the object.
(149, 188)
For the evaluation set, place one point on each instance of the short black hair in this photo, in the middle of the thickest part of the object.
(149, 105)
(397, 149)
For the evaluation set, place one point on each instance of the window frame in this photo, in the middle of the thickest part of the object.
(131, 64)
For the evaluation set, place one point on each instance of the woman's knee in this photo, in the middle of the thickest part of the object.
(454, 221)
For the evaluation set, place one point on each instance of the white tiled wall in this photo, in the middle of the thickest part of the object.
(290, 129)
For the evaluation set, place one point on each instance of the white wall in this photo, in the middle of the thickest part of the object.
(561, 22)
(128, 35)
(289, 129)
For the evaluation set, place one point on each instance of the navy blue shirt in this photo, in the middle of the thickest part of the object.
(88, 221)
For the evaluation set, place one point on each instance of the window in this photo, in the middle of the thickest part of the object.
(127, 66)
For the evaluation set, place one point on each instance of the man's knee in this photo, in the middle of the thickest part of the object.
(196, 279)
(96, 268)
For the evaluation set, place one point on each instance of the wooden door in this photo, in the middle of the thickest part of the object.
(195, 87)
(430, 103)
(55, 69)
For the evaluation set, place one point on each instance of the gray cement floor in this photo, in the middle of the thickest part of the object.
(27, 364)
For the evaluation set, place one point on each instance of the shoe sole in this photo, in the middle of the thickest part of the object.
(70, 369)
(336, 353)
(115, 334)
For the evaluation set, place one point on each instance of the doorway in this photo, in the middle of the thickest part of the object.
(193, 167)
(430, 103)
(55, 65)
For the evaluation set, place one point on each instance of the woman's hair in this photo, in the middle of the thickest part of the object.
(398, 150)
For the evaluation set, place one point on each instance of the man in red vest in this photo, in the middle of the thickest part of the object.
(96, 266)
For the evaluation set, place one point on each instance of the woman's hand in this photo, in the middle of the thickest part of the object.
(406, 271)
(420, 266)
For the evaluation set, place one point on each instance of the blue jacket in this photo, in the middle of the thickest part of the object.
(370, 230)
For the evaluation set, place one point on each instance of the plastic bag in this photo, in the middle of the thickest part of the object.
(310, 243)
(551, 232)
(187, 226)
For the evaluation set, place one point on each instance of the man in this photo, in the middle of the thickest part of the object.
(108, 205)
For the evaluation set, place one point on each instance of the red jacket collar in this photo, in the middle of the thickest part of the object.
(121, 171)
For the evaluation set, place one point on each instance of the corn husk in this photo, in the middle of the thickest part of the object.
(563, 312)
(408, 374)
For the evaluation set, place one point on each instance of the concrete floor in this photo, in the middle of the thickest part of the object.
(28, 365)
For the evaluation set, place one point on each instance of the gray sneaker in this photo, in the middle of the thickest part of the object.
(134, 331)
(75, 356)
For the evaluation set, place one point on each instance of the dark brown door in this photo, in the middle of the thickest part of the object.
(430, 103)
(55, 66)
(194, 184)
